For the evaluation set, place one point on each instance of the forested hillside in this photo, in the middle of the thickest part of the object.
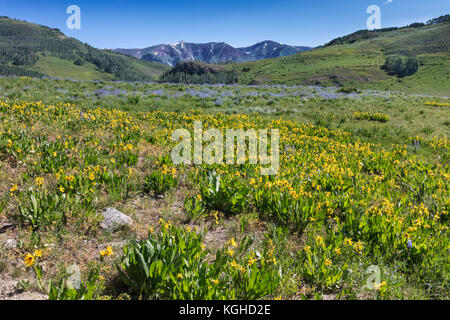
(34, 50)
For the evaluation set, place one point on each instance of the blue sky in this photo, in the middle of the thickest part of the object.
(138, 24)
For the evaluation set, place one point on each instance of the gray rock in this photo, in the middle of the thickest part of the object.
(114, 219)
(10, 244)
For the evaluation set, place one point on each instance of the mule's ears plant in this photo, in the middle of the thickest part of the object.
(194, 207)
(151, 268)
(158, 183)
(173, 264)
(39, 209)
(225, 194)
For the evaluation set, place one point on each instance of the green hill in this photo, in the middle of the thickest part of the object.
(32, 50)
(358, 60)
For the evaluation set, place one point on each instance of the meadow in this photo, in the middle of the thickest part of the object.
(361, 194)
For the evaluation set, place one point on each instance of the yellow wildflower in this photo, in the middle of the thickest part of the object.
(38, 253)
(107, 252)
(39, 181)
(379, 286)
(29, 260)
(348, 241)
(233, 243)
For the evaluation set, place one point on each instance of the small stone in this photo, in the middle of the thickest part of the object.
(10, 244)
(114, 219)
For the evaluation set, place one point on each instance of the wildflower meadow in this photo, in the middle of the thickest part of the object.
(358, 208)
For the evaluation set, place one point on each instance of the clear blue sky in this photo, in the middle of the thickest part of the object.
(138, 24)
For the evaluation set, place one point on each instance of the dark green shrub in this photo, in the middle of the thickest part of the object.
(78, 62)
(349, 90)
(401, 66)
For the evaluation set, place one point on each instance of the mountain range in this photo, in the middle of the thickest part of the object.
(213, 52)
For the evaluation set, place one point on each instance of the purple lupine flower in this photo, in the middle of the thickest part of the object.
(409, 244)
(227, 93)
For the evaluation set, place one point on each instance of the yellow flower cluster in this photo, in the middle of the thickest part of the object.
(31, 258)
(437, 104)
(107, 252)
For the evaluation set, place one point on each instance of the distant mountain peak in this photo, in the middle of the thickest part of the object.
(178, 43)
(212, 52)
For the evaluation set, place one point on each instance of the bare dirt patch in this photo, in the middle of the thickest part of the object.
(10, 291)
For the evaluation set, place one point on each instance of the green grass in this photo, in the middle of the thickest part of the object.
(60, 68)
(150, 69)
(66, 69)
